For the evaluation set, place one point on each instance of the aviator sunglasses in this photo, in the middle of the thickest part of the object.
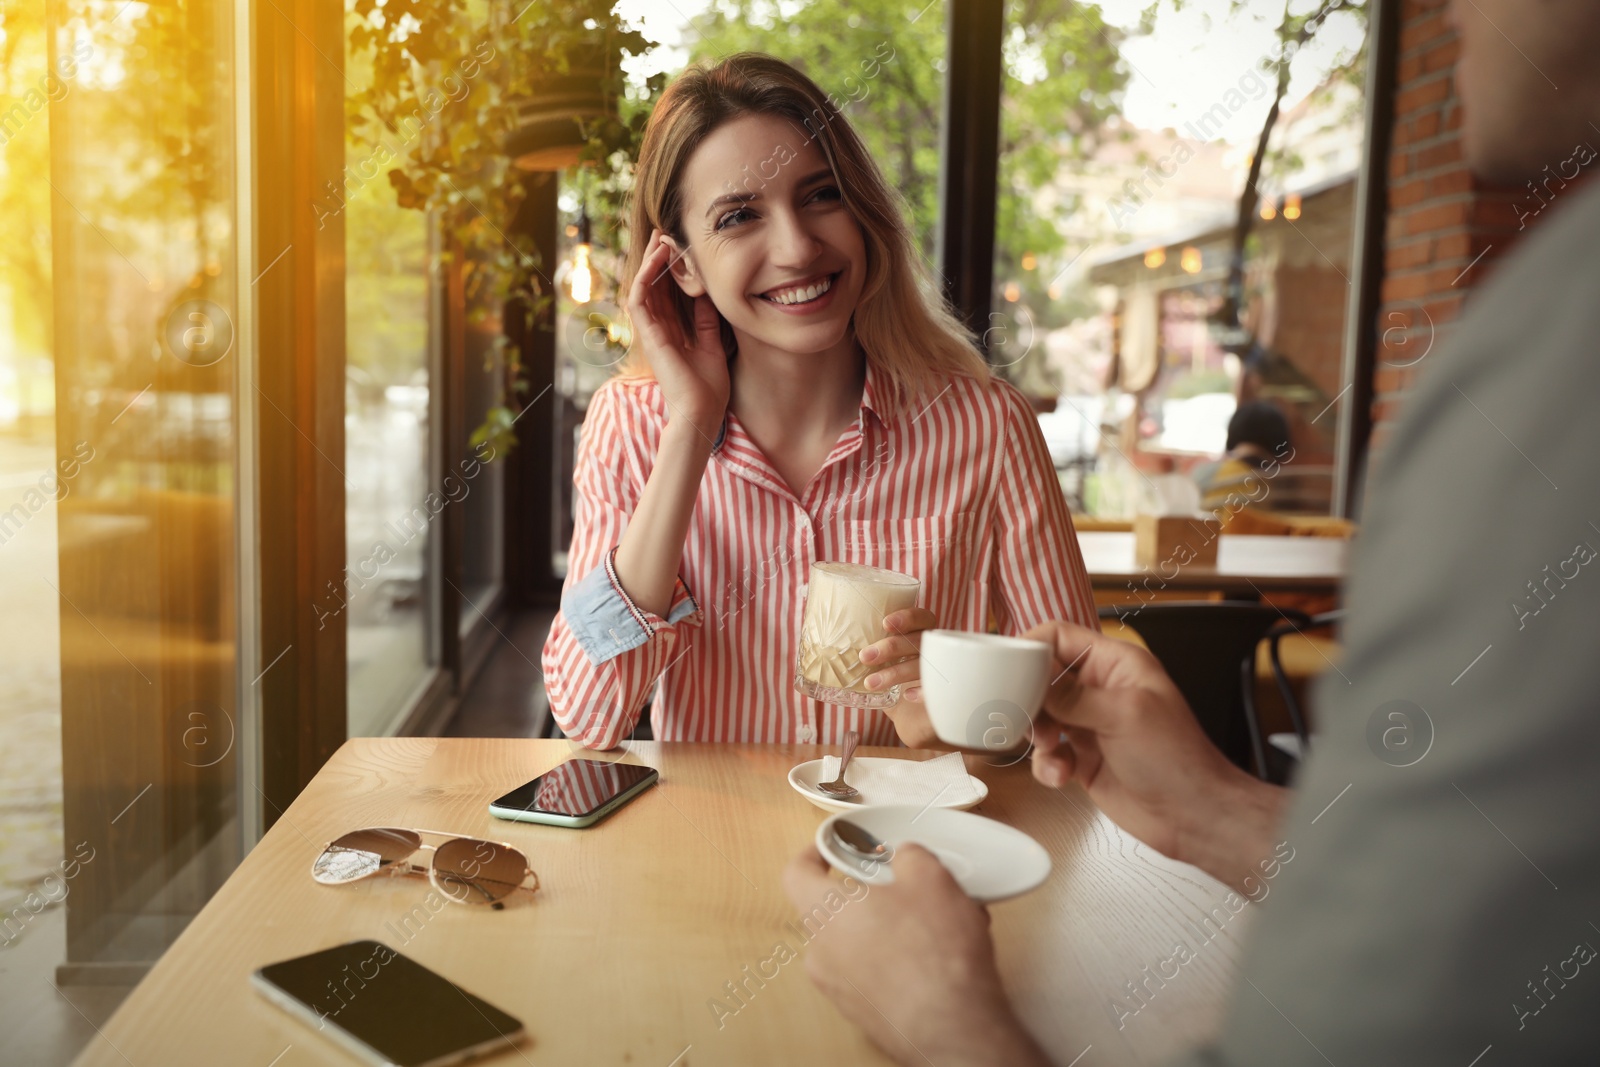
(465, 869)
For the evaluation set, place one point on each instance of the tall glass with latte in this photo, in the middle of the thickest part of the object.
(845, 607)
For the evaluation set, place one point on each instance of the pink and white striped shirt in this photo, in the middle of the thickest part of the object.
(961, 494)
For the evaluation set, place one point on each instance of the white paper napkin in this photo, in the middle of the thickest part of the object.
(942, 780)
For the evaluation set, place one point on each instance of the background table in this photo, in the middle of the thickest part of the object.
(1247, 564)
(645, 917)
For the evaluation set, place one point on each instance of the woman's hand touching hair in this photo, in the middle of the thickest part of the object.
(691, 370)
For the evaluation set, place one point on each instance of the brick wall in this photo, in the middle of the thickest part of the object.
(1311, 327)
(1446, 229)
(1310, 332)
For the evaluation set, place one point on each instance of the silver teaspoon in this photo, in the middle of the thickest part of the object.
(838, 789)
(859, 842)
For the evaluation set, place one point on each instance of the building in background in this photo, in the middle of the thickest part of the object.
(1160, 290)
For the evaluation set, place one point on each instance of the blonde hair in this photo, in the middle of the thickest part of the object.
(905, 327)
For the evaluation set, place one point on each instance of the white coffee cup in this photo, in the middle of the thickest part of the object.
(982, 690)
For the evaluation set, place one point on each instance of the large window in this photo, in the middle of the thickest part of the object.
(1126, 148)
(119, 298)
(424, 518)
(390, 595)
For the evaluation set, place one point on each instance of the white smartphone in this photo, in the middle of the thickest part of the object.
(388, 1010)
(579, 792)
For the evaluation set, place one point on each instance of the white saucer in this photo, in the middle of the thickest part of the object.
(805, 776)
(990, 860)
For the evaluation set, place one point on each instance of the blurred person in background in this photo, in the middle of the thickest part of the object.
(1258, 442)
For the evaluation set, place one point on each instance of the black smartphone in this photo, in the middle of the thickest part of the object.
(389, 1010)
(580, 792)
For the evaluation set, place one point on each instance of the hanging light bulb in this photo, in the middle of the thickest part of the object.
(580, 280)
(1291, 206)
(577, 275)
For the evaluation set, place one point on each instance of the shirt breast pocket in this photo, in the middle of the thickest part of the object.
(936, 549)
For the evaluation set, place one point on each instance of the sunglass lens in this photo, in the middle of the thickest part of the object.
(478, 872)
(363, 852)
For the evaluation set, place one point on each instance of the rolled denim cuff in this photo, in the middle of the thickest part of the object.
(605, 620)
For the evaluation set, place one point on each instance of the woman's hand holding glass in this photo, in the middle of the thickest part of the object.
(692, 370)
(900, 652)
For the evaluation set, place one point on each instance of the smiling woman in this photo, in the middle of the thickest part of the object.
(727, 147)
(795, 382)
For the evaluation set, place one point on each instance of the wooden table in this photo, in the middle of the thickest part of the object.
(645, 917)
(1247, 564)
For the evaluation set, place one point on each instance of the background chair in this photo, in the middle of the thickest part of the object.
(1284, 754)
(1208, 648)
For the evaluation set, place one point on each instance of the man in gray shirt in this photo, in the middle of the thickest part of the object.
(1445, 909)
